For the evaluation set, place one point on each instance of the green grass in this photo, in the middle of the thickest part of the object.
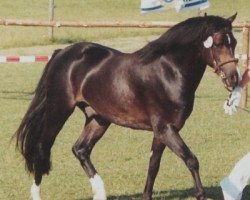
(122, 155)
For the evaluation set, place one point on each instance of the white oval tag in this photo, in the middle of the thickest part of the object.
(208, 42)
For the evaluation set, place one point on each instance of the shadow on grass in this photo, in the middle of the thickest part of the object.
(213, 193)
(14, 95)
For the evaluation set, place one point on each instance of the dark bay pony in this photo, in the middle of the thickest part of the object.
(151, 89)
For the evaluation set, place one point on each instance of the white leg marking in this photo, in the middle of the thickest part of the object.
(98, 188)
(35, 192)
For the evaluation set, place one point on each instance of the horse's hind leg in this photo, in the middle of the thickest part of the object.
(94, 129)
(56, 116)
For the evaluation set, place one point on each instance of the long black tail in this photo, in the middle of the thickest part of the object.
(30, 129)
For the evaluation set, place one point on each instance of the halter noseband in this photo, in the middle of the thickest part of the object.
(217, 66)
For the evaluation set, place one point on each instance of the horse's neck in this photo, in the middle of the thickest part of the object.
(191, 67)
(197, 75)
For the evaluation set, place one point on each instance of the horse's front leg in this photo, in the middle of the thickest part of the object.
(169, 135)
(154, 164)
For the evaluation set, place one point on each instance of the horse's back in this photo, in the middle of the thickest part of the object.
(92, 53)
(74, 63)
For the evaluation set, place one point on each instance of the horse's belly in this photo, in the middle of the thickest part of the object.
(132, 123)
(127, 116)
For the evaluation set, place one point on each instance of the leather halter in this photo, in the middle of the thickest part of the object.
(218, 65)
(221, 73)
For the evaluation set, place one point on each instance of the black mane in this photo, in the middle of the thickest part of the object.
(185, 35)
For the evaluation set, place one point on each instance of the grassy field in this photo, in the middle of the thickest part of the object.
(122, 155)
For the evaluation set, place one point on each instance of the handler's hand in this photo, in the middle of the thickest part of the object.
(233, 102)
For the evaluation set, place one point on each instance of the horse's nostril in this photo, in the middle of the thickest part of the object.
(234, 78)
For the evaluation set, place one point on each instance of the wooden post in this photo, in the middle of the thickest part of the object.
(245, 52)
(51, 18)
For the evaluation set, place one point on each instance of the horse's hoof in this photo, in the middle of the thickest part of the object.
(201, 196)
(146, 197)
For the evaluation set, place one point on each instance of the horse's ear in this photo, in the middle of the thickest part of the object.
(232, 18)
(205, 14)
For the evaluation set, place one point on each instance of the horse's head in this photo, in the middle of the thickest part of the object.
(218, 50)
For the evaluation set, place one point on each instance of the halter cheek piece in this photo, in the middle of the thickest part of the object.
(208, 43)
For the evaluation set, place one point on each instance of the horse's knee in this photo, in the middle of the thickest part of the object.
(82, 153)
(192, 163)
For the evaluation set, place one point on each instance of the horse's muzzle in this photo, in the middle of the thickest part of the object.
(229, 73)
(230, 79)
